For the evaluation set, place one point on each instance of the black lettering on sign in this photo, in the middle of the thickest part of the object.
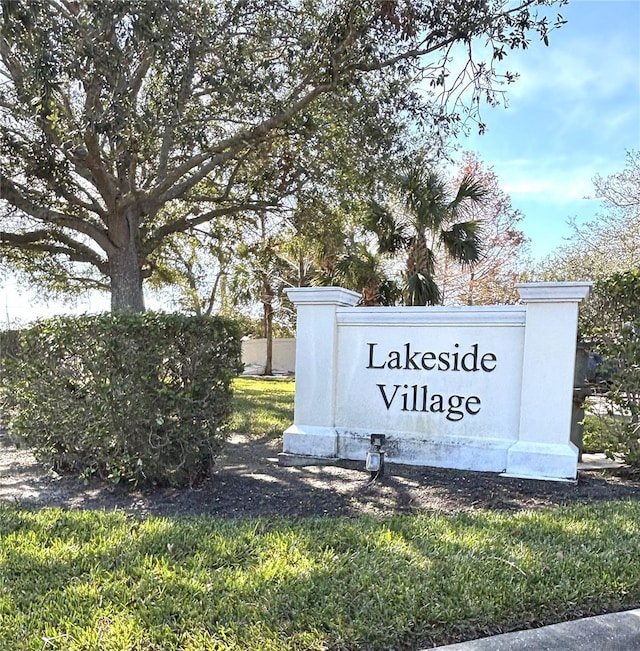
(416, 398)
(410, 359)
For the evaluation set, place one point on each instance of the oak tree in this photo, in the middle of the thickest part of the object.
(124, 123)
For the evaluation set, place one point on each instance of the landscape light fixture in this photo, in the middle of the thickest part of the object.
(375, 456)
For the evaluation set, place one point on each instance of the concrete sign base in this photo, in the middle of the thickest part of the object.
(474, 388)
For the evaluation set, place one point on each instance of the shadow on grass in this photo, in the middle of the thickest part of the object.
(283, 584)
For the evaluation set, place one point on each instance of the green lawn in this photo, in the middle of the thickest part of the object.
(73, 580)
(107, 581)
(263, 406)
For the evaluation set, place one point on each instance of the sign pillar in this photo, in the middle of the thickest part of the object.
(543, 449)
(313, 432)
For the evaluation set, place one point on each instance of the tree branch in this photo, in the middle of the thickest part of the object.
(101, 178)
(17, 197)
(177, 113)
(230, 147)
(184, 223)
(45, 241)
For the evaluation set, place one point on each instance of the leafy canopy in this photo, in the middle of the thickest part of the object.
(124, 123)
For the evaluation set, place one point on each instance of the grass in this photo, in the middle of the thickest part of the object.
(85, 581)
(91, 580)
(263, 406)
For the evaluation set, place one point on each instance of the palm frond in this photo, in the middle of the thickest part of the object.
(358, 269)
(470, 190)
(431, 210)
(421, 290)
(424, 191)
(463, 242)
(389, 231)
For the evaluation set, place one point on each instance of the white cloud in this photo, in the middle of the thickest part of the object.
(558, 181)
(555, 190)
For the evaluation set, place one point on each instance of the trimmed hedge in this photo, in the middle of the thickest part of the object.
(141, 398)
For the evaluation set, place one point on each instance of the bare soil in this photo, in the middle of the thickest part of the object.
(248, 482)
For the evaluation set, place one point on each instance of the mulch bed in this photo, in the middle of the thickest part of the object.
(248, 482)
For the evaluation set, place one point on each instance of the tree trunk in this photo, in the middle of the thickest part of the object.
(268, 366)
(126, 280)
(267, 312)
(470, 296)
(124, 266)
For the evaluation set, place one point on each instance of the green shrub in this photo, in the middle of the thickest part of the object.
(604, 433)
(128, 397)
(9, 343)
(614, 330)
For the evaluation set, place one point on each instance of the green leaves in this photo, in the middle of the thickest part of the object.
(130, 398)
(616, 337)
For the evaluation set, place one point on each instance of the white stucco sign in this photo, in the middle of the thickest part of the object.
(477, 388)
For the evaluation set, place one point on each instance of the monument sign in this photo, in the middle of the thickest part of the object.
(480, 388)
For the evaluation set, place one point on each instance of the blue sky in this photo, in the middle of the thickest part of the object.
(572, 114)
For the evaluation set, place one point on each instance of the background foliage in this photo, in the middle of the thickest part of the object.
(616, 337)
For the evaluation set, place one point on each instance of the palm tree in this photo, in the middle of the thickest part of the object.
(430, 219)
(361, 270)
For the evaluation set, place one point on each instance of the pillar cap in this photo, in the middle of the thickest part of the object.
(562, 292)
(322, 296)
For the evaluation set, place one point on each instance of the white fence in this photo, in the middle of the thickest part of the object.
(254, 356)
